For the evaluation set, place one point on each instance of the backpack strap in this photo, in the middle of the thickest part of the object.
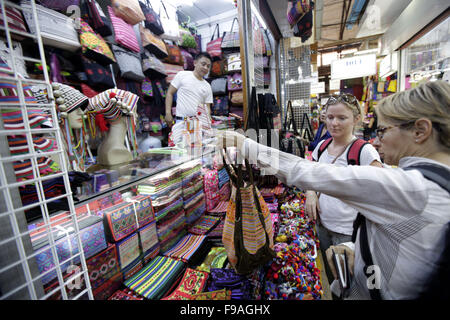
(354, 152)
(323, 146)
(435, 173)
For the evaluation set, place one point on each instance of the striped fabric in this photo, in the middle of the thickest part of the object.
(148, 236)
(10, 94)
(153, 281)
(204, 225)
(186, 248)
(101, 102)
(221, 207)
(14, 19)
(253, 233)
(150, 254)
(124, 33)
(128, 250)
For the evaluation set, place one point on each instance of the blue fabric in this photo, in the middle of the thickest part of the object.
(317, 138)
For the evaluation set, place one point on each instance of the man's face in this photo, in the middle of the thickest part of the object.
(202, 66)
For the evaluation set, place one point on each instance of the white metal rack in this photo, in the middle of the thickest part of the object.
(19, 275)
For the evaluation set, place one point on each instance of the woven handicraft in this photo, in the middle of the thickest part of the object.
(153, 281)
(93, 45)
(204, 225)
(186, 247)
(211, 188)
(132, 269)
(108, 288)
(222, 207)
(150, 254)
(144, 210)
(102, 266)
(213, 295)
(121, 221)
(213, 259)
(128, 250)
(217, 231)
(193, 282)
(125, 295)
(148, 236)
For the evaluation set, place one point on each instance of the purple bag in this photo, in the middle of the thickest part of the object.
(266, 61)
(188, 60)
(59, 5)
(234, 82)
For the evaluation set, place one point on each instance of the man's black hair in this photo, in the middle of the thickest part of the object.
(203, 54)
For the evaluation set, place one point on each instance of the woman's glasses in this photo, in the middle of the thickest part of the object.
(349, 98)
(381, 131)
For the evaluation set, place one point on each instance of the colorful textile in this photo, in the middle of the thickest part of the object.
(124, 33)
(186, 247)
(211, 188)
(132, 269)
(193, 282)
(204, 225)
(102, 266)
(93, 45)
(121, 221)
(217, 231)
(154, 280)
(239, 285)
(108, 288)
(213, 295)
(213, 259)
(148, 236)
(128, 250)
(221, 207)
(125, 295)
(144, 210)
(150, 254)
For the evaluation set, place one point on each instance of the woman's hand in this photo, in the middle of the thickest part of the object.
(230, 139)
(339, 249)
(312, 205)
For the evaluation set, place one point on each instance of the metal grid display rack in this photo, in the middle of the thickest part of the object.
(19, 275)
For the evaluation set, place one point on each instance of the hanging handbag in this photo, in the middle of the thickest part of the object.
(234, 62)
(174, 55)
(303, 28)
(129, 63)
(218, 68)
(57, 30)
(152, 19)
(15, 22)
(153, 43)
(188, 60)
(247, 233)
(230, 39)
(237, 98)
(220, 106)
(291, 142)
(170, 24)
(128, 10)
(234, 82)
(214, 46)
(172, 70)
(266, 79)
(93, 46)
(59, 5)
(123, 32)
(219, 86)
(296, 10)
(98, 75)
(93, 14)
(152, 66)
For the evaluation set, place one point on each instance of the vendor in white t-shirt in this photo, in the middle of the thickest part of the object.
(192, 90)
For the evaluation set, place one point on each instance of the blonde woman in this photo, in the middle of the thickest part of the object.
(406, 211)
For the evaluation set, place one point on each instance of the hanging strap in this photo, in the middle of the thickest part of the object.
(165, 10)
(232, 25)
(216, 28)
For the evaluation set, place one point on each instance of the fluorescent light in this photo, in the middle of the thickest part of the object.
(258, 15)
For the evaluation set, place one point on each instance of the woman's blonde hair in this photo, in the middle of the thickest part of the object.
(430, 100)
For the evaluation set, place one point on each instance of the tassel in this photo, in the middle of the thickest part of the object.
(101, 122)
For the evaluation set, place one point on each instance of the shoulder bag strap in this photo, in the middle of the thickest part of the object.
(214, 32)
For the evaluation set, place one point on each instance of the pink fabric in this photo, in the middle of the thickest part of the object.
(124, 32)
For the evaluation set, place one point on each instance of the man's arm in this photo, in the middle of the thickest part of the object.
(169, 100)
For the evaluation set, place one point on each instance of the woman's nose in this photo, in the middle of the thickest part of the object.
(376, 143)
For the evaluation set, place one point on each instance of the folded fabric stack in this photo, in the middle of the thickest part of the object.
(112, 176)
(157, 278)
(193, 282)
(215, 259)
(204, 224)
(223, 122)
(188, 248)
(195, 206)
(293, 275)
(239, 285)
(211, 188)
(193, 195)
(161, 183)
(99, 183)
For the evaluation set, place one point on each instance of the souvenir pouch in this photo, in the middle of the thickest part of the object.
(128, 250)
(237, 98)
(156, 279)
(152, 66)
(219, 86)
(193, 282)
(93, 46)
(214, 46)
(234, 62)
(231, 39)
(98, 76)
(144, 210)
(120, 221)
(102, 266)
(174, 55)
(234, 82)
(152, 43)
(188, 60)
(213, 295)
(129, 63)
(220, 106)
(211, 188)
(218, 68)
(93, 14)
(148, 237)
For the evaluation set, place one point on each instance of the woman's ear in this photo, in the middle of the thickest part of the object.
(423, 128)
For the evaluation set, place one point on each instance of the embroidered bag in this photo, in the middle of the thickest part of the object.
(15, 21)
(211, 188)
(152, 19)
(193, 282)
(152, 66)
(123, 32)
(296, 10)
(128, 250)
(248, 233)
(231, 38)
(98, 76)
(102, 266)
(234, 62)
(220, 106)
(120, 221)
(188, 60)
(93, 14)
(128, 10)
(214, 46)
(234, 82)
(174, 55)
(93, 46)
(237, 98)
(218, 68)
(153, 43)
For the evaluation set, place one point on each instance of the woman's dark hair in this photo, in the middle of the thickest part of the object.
(203, 54)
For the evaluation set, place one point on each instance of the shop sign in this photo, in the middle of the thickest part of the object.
(335, 84)
(317, 87)
(354, 67)
(388, 65)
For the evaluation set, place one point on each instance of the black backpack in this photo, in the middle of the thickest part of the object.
(438, 285)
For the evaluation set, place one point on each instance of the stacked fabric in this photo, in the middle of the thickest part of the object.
(203, 225)
(293, 275)
(193, 195)
(223, 122)
(215, 259)
(195, 206)
(186, 248)
(193, 282)
(161, 183)
(228, 279)
(125, 295)
(157, 278)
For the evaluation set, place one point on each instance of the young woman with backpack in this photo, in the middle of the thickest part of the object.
(401, 247)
